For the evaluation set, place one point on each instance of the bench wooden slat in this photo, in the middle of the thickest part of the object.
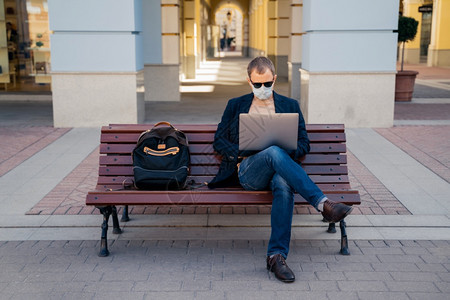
(209, 137)
(326, 188)
(318, 179)
(123, 128)
(208, 148)
(202, 197)
(118, 160)
(212, 170)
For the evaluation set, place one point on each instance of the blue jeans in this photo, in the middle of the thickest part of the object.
(274, 169)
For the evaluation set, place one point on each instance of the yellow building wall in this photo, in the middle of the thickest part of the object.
(259, 26)
(412, 48)
(439, 49)
(443, 25)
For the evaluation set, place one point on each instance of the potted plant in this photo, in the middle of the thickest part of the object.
(404, 80)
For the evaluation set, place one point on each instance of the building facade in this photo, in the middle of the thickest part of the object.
(104, 59)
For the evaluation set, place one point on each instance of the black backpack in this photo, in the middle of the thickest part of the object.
(161, 159)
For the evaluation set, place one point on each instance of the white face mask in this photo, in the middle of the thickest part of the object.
(263, 92)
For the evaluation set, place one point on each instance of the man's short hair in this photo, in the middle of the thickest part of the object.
(260, 64)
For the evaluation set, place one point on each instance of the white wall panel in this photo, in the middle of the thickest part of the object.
(350, 14)
(95, 15)
(352, 51)
(99, 52)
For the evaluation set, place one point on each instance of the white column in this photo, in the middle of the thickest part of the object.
(97, 62)
(295, 55)
(161, 48)
(349, 62)
(190, 35)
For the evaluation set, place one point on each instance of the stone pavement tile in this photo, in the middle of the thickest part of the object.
(383, 295)
(250, 295)
(125, 276)
(119, 295)
(443, 287)
(368, 275)
(38, 296)
(412, 286)
(301, 295)
(415, 276)
(428, 296)
(350, 266)
(445, 276)
(327, 286)
(210, 295)
(392, 267)
(343, 296)
(362, 286)
(427, 267)
(110, 286)
(242, 285)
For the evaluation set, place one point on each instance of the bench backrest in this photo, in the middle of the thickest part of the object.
(325, 164)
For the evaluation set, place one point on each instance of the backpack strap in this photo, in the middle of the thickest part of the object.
(125, 186)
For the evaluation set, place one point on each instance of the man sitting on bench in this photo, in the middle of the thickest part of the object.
(272, 168)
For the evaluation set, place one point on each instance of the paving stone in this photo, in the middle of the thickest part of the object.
(312, 267)
(343, 296)
(78, 295)
(158, 286)
(415, 276)
(363, 286)
(301, 295)
(380, 251)
(31, 287)
(38, 296)
(428, 296)
(126, 276)
(236, 285)
(169, 295)
(398, 258)
(330, 275)
(323, 286)
(258, 295)
(383, 295)
(87, 276)
(350, 266)
(210, 295)
(387, 267)
(196, 285)
(409, 286)
(110, 286)
(50, 276)
(370, 276)
(435, 259)
(443, 287)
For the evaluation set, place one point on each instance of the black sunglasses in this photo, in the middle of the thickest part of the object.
(257, 85)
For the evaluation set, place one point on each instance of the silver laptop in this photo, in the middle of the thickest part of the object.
(259, 131)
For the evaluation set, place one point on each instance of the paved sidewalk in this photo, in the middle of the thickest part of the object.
(231, 269)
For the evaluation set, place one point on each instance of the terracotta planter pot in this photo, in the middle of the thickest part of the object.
(404, 85)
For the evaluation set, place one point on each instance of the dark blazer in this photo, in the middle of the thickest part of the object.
(226, 139)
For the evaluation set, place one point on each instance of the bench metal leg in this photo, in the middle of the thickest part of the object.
(106, 212)
(125, 217)
(344, 241)
(116, 226)
(331, 228)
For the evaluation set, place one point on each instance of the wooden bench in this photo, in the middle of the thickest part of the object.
(325, 164)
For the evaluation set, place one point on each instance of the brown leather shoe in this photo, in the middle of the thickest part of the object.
(335, 212)
(277, 265)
